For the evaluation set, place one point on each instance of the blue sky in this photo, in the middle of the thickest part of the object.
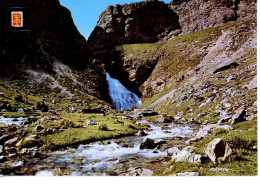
(85, 13)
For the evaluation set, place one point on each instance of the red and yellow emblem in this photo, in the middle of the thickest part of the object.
(17, 19)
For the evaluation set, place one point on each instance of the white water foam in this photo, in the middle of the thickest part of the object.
(12, 121)
(121, 97)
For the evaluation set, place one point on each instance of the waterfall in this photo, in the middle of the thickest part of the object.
(121, 97)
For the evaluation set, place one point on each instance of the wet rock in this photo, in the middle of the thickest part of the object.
(141, 133)
(28, 142)
(9, 149)
(188, 174)
(138, 171)
(11, 142)
(187, 155)
(218, 150)
(159, 141)
(164, 120)
(12, 155)
(148, 144)
(172, 151)
(239, 115)
(38, 128)
(126, 145)
(1, 149)
(163, 147)
(4, 138)
(2, 159)
(17, 164)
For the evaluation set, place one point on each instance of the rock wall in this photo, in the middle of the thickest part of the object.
(132, 23)
(195, 15)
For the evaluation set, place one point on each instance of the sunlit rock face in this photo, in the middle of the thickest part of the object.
(121, 97)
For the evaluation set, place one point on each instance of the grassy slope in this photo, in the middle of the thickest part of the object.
(183, 53)
(243, 161)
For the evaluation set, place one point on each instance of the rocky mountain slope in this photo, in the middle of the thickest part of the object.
(192, 61)
(48, 52)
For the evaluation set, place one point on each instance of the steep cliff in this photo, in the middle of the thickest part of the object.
(154, 21)
(195, 15)
(132, 23)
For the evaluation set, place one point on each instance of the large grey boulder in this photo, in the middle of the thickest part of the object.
(218, 150)
(239, 115)
(187, 155)
(172, 151)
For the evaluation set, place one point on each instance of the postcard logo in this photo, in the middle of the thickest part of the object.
(17, 19)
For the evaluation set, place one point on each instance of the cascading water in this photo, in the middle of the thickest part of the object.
(121, 97)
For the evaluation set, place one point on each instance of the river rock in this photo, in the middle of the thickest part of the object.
(126, 145)
(138, 171)
(141, 133)
(188, 174)
(204, 130)
(187, 155)
(2, 159)
(218, 150)
(37, 128)
(172, 151)
(11, 142)
(239, 116)
(159, 141)
(28, 142)
(4, 138)
(1, 149)
(164, 120)
(148, 144)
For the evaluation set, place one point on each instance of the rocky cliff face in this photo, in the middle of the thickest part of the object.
(48, 40)
(195, 15)
(150, 22)
(133, 23)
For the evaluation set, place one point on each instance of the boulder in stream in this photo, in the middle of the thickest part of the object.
(148, 144)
